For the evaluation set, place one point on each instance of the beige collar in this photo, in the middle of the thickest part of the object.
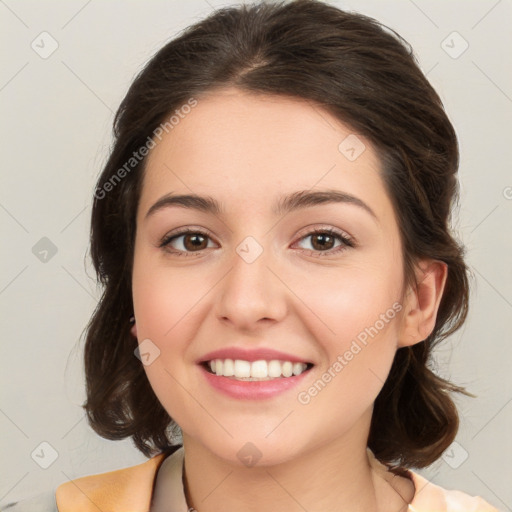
(131, 489)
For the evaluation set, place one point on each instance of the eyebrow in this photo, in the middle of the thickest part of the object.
(292, 202)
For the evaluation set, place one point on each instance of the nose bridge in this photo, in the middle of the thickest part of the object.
(250, 290)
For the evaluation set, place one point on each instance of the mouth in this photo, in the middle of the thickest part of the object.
(255, 371)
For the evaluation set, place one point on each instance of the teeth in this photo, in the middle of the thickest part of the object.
(242, 368)
(259, 369)
(255, 370)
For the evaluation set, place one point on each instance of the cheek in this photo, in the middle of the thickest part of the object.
(162, 297)
(358, 327)
(355, 300)
(164, 301)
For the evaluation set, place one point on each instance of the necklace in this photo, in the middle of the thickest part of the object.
(374, 464)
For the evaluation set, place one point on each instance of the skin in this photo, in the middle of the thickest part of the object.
(246, 151)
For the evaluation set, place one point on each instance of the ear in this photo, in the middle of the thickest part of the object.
(133, 329)
(421, 303)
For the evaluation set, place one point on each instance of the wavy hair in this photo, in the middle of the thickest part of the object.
(367, 76)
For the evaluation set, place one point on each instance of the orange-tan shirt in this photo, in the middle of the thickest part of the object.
(131, 490)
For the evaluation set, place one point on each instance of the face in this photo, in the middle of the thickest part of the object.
(319, 282)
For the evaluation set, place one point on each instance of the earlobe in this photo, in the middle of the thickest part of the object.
(133, 329)
(422, 303)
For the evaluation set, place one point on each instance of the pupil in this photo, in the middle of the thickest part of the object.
(323, 237)
(196, 241)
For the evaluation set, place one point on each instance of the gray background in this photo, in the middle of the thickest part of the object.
(57, 112)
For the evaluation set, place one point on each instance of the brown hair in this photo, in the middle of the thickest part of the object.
(367, 76)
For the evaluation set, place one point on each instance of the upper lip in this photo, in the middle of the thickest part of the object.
(255, 354)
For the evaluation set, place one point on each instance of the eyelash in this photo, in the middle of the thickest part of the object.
(347, 242)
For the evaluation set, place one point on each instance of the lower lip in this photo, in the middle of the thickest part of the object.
(252, 390)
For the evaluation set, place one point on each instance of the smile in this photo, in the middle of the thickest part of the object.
(277, 377)
(251, 371)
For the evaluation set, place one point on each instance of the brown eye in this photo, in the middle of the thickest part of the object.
(324, 240)
(188, 241)
(194, 241)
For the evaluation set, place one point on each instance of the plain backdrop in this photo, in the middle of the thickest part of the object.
(65, 68)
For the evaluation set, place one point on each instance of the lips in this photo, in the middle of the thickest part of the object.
(251, 389)
(256, 354)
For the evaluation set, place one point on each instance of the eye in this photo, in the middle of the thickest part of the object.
(322, 241)
(193, 241)
(196, 241)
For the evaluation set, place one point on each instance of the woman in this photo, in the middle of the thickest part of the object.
(271, 229)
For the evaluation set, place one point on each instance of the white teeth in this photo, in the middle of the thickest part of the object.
(229, 368)
(259, 369)
(297, 368)
(274, 368)
(242, 368)
(255, 370)
(287, 369)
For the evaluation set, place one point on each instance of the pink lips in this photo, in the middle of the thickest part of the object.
(255, 354)
(250, 390)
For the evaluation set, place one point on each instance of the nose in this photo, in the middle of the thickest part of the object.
(252, 293)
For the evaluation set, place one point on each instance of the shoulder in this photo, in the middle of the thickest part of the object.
(124, 489)
(429, 496)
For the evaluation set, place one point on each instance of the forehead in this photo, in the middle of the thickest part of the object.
(251, 149)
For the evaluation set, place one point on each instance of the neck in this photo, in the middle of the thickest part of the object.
(330, 477)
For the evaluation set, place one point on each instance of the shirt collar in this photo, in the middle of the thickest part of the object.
(427, 496)
(134, 488)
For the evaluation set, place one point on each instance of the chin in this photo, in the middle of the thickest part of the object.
(248, 451)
